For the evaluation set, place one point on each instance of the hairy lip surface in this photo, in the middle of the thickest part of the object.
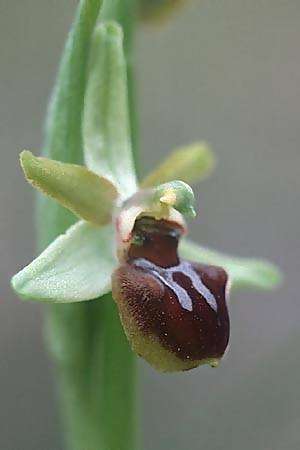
(181, 303)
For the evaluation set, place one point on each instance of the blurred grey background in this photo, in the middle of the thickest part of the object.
(224, 71)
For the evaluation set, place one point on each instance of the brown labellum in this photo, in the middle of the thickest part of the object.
(173, 311)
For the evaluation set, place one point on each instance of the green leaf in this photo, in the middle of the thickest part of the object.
(106, 129)
(189, 164)
(77, 266)
(86, 194)
(243, 272)
(63, 139)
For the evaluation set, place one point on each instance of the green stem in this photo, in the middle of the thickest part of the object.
(115, 375)
(95, 365)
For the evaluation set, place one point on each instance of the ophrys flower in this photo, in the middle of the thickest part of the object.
(124, 229)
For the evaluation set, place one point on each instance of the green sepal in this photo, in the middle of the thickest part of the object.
(106, 128)
(86, 194)
(189, 164)
(243, 272)
(77, 266)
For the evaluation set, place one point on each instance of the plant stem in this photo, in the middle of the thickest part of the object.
(95, 365)
(115, 375)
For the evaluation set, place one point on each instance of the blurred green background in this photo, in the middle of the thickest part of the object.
(224, 71)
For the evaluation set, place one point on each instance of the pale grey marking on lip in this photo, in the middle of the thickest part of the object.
(200, 286)
(166, 277)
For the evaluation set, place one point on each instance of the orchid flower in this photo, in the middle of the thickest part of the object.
(131, 237)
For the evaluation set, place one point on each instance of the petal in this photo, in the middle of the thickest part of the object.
(77, 266)
(106, 134)
(243, 272)
(86, 194)
(189, 164)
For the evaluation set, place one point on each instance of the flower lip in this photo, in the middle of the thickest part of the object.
(174, 311)
(182, 310)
